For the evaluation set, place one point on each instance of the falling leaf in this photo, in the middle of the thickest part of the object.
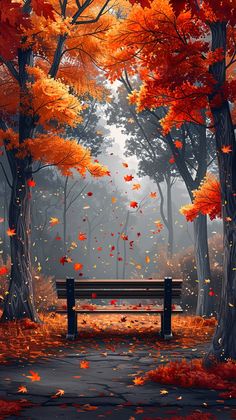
(78, 266)
(128, 178)
(226, 149)
(58, 238)
(153, 195)
(11, 232)
(22, 389)
(3, 270)
(136, 187)
(54, 221)
(113, 200)
(172, 160)
(34, 376)
(82, 236)
(84, 364)
(94, 295)
(125, 165)
(1, 219)
(147, 259)
(31, 183)
(133, 204)
(138, 380)
(113, 302)
(65, 259)
(178, 144)
(89, 194)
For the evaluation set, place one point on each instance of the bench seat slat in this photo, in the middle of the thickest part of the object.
(114, 284)
(120, 294)
(119, 311)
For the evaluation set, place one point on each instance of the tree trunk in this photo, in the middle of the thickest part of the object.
(19, 301)
(224, 341)
(204, 301)
(170, 246)
(65, 216)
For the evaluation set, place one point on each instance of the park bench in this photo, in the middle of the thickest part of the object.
(167, 290)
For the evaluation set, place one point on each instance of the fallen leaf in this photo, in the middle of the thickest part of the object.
(34, 376)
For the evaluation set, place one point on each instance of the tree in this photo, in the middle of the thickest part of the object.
(184, 57)
(183, 151)
(47, 56)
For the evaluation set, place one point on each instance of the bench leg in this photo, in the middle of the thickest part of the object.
(166, 331)
(72, 331)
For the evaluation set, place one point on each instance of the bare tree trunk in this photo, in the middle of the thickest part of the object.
(65, 215)
(170, 219)
(205, 302)
(224, 341)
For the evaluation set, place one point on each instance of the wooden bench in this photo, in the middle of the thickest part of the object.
(167, 289)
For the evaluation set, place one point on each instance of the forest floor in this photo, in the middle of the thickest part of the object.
(94, 377)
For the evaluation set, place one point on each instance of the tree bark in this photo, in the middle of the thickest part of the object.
(204, 300)
(19, 302)
(224, 341)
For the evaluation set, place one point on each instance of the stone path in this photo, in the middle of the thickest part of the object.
(106, 389)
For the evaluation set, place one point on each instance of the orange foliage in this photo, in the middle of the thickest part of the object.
(193, 375)
(207, 200)
(167, 46)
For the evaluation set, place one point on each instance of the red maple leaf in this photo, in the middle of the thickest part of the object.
(128, 178)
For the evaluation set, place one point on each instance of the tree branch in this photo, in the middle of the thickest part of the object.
(11, 68)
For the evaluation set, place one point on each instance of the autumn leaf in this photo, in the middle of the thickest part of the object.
(44, 8)
(226, 149)
(128, 178)
(138, 381)
(113, 302)
(3, 270)
(178, 144)
(172, 160)
(22, 389)
(54, 221)
(136, 187)
(89, 194)
(147, 259)
(94, 295)
(133, 204)
(31, 183)
(113, 200)
(78, 266)
(65, 259)
(125, 165)
(11, 232)
(1, 219)
(164, 392)
(58, 238)
(34, 376)
(153, 195)
(84, 364)
(82, 236)
(58, 394)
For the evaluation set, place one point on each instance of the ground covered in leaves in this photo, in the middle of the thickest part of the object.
(26, 340)
(118, 368)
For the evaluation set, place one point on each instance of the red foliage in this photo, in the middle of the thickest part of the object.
(8, 408)
(193, 375)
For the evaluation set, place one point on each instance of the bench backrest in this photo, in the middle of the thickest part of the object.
(120, 289)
